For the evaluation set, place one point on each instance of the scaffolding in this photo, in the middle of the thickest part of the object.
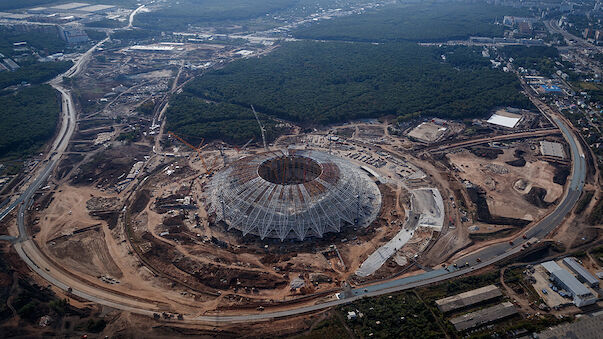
(292, 194)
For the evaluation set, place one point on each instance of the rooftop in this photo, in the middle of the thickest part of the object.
(70, 5)
(581, 271)
(483, 316)
(505, 119)
(468, 298)
(551, 266)
(95, 8)
(575, 287)
(552, 149)
(584, 328)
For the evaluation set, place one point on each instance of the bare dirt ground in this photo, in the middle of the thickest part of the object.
(318, 266)
(499, 180)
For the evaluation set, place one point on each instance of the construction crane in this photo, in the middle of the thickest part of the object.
(197, 149)
(262, 129)
(245, 146)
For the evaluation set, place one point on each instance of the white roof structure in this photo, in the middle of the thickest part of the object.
(155, 47)
(70, 5)
(292, 194)
(551, 266)
(505, 121)
(95, 8)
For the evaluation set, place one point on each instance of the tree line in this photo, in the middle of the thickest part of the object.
(317, 83)
(27, 119)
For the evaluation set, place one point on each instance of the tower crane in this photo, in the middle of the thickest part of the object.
(245, 146)
(262, 129)
(197, 149)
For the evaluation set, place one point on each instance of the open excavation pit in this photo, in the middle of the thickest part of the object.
(292, 194)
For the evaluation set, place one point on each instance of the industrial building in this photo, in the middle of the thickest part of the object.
(583, 275)
(552, 149)
(581, 295)
(468, 298)
(584, 328)
(484, 316)
(551, 89)
(504, 119)
(72, 35)
(97, 8)
(69, 6)
(292, 194)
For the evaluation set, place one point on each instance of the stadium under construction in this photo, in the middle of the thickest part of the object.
(293, 194)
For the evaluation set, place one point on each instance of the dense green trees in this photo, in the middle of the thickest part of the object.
(178, 15)
(317, 83)
(44, 40)
(540, 58)
(135, 34)
(396, 316)
(191, 116)
(416, 22)
(34, 73)
(12, 4)
(27, 119)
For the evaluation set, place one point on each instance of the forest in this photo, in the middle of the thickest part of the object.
(402, 315)
(415, 22)
(12, 4)
(178, 15)
(17, 4)
(42, 40)
(540, 58)
(35, 73)
(36, 105)
(317, 83)
(195, 119)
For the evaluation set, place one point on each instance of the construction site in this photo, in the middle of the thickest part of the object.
(166, 221)
(218, 228)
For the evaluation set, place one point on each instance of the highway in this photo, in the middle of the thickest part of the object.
(511, 136)
(552, 26)
(132, 15)
(62, 140)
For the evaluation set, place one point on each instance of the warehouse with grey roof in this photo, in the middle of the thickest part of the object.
(583, 275)
(582, 296)
(468, 298)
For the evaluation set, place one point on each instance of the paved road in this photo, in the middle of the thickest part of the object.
(511, 136)
(132, 15)
(488, 256)
(552, 26)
